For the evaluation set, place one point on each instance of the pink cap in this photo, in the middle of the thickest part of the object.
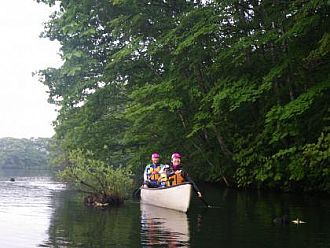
(176, 155)
(155, 155)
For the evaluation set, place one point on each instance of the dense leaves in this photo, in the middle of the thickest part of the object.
(94, 176)
(239, 87)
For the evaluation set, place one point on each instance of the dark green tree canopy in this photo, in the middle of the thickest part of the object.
(239, 87)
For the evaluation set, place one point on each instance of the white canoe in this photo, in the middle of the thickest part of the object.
(175, 197)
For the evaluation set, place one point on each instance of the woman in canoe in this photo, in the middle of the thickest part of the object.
(173, 174)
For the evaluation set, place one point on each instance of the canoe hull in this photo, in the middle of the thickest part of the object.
(175, 197)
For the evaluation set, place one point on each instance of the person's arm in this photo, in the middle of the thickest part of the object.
(163, 168)
(188, 179)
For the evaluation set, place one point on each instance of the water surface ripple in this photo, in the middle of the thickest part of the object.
(25, 210)
(37, 211)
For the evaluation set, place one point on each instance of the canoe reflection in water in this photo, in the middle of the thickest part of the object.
(163, 227)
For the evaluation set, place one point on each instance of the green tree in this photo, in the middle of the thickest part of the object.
(104, 183)
(24, 153)
(239, 87)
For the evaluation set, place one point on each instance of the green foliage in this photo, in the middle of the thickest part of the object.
(25, 153)
(317, 160)
(240, 88)
(95, 176)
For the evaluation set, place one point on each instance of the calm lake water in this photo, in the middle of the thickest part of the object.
(37, 211)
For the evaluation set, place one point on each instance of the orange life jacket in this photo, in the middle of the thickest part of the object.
(176, 178)
(153, 173)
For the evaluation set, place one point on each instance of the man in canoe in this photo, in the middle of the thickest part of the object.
(173, 174)
(151, 172)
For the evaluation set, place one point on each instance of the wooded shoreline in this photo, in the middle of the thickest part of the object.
(239, 88)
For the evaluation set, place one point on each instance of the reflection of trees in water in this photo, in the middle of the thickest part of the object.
(74, 225)
(239, 216)
(163, 227)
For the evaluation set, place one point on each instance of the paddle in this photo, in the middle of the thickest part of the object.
(136, 193)
(205, 202)
(201, 198)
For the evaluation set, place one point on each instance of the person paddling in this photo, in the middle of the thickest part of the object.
(151, 172)
(175, 175)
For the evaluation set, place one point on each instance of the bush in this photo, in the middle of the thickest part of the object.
(97, 178)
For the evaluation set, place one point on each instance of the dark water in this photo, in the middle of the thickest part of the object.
(36, 211)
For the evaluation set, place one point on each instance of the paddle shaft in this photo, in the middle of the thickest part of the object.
(136, 192)
(201, 198)
(204, 201)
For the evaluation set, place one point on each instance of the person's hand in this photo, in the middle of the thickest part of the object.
(145, 186)
(199, 194)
